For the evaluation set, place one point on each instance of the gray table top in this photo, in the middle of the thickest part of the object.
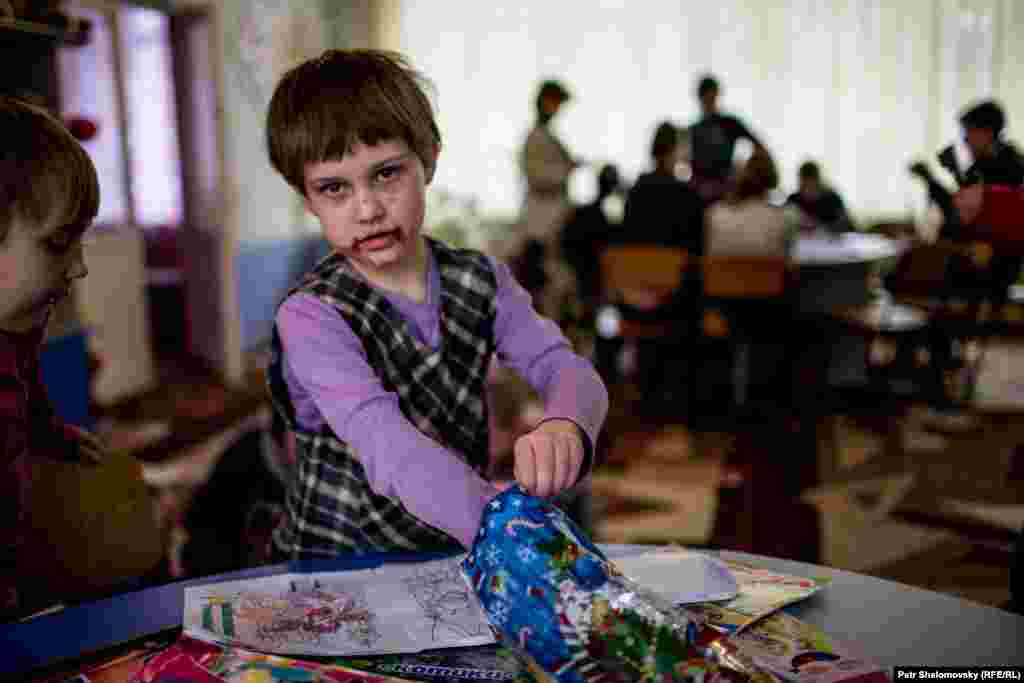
(898, 625)
(890, 623)
(846, 248)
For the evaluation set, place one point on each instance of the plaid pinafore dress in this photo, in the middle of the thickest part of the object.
(330, 508)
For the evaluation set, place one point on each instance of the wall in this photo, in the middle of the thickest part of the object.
(864, 86)
(276, 240)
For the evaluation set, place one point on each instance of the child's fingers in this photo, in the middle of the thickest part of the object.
(90, 448)
(562, 452)
(525, 469)
(91, 455)
(569, 463)
(503, 484)
(535, 464)
(547, 465)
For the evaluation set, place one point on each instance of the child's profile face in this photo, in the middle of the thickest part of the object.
(371, 204)
(978, 140)
(37, 266)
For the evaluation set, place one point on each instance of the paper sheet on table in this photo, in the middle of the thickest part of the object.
(390, 609)
(761, 592)
(681, 576)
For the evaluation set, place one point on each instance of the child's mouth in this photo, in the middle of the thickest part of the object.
(380, 240)
(55, 297)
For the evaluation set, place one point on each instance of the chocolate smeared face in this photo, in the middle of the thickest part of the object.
(371, 204)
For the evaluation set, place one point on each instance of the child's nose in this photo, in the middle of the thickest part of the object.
(369, 206)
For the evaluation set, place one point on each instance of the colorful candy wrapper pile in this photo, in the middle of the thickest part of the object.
(554, 597)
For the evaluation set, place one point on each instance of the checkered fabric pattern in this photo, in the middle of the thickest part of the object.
(330, 508)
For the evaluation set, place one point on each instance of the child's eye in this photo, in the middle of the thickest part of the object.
(389, 173)
(59, 244)
(333, 189)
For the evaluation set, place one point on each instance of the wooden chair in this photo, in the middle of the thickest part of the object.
(744, 277)
(736, 290)
(644, 277)
(644, 288)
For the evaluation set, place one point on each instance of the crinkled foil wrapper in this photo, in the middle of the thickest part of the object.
(554, 597)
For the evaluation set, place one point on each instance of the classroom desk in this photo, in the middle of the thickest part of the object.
(834, 270)
(894, 624)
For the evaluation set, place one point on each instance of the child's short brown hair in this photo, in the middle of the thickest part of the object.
(46, 177)
(323, 107)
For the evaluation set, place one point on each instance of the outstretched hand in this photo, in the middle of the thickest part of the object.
(548, 459)
(968, 202)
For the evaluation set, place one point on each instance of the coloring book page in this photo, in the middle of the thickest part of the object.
(392, 609)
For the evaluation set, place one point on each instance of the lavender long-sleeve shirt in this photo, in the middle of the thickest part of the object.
(330, 381)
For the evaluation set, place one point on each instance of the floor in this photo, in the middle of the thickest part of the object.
(899, 499)
(880, 501)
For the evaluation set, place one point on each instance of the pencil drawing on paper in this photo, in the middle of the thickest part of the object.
(449, 609)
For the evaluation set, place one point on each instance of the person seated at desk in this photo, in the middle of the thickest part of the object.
(746, 223)
(587, 233)
(821, 207)
(661, 208)
(995, 162)
(713, 141)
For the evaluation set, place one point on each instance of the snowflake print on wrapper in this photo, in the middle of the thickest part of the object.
(499, 612)
(526, 553)
(494, 556)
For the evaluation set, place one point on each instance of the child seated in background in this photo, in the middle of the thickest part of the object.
(49, 194)
(821, 207)
(382, 351)
(747, 224)
(661, 208)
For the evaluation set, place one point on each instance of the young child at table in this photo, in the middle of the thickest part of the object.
(48, 196)
(381, 352)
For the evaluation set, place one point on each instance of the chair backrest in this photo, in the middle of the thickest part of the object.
(635, 268)
(744, 277)
(921, 270)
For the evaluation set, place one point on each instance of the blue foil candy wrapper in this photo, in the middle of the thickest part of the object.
(554, 596)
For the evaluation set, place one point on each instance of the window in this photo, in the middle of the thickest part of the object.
(88, 88)
(152, 119)
(136, 148)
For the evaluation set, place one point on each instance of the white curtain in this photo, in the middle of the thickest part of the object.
(862, 86)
